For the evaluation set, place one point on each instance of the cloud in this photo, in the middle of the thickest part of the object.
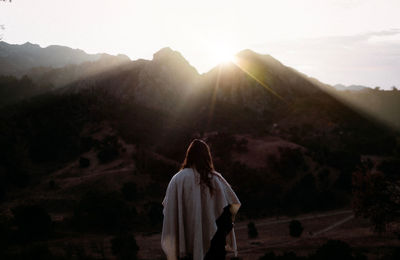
(353, 39)
(370, 58)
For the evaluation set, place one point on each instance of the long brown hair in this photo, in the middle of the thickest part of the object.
(198, 156)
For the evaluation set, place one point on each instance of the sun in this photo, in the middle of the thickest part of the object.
(222, 54)
(225, 55)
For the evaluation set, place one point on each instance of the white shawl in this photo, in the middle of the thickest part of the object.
(190, 213)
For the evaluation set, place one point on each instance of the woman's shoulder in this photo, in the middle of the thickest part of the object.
(215, 173)
(182, 174)
(219, 178)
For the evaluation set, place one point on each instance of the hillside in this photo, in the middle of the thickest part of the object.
(97, 152)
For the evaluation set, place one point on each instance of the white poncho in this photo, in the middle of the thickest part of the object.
(190, 214)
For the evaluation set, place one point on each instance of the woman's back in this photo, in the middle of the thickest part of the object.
(190, 213)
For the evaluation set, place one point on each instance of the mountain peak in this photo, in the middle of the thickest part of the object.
(246, 52)
(167, 53)
(169, 56)
(29, 44)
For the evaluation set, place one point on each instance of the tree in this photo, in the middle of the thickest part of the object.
(376, 194)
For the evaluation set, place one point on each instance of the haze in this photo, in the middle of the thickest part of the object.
(335, 41)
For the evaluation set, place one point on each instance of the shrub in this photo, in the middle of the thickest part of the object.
(129, 191)
(110, 149)
(268, 256)
(84, 162)
(303, 196)
(390, 168)
(2, 193)
(295, 228)
(285, 256)
(291, 161)
(333, 250)
(155, 213)
(236, 258)
(102, 211)
(252, 230)
(161, 170)
(40, 251)
(344, 181)
(33, 222)
(18, 176)
(393, 254)
(52, 185)
(124, 246)
(108, 154)
(86, 143)
(76, 251)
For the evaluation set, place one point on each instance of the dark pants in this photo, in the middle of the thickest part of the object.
(218, 242)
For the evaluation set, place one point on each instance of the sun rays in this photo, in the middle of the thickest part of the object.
(248, 68)
(252, 69)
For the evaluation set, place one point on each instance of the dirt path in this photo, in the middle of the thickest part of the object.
(261, 223)
(334, 225)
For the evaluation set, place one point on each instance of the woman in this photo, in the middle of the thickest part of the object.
(199, 210)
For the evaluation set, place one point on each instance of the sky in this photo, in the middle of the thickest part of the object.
(335, 41)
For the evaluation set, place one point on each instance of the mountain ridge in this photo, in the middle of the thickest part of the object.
(169, 83)
(18, 59)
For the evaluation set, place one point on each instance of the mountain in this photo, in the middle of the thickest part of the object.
(17, 59)
(258, 82)
(342, 87)
(160, 83)
(59, 77)
(380, 105)
(28, 70)
(165, 99)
